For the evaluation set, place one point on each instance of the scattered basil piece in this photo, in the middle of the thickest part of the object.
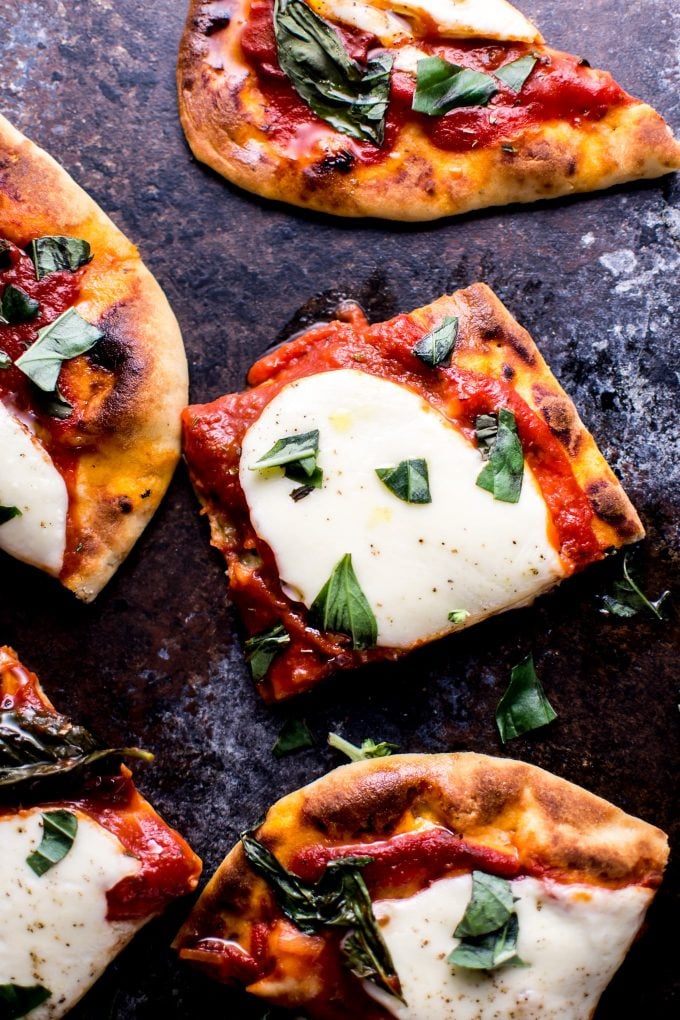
(295, 736)
(8, 513)
(342, 606)
(313, 58)
(368, 749)
(628, 599)
(297, 456)
(65, 338)
(409, 480)
(489, 908)
(504, 472)
(488, 952)
(435, 347)
(5, 360)
(442, 86)
(515, 74)
(486, 430)
(59, 832)
(50, 254)
(38, 744)
(339, 899)
(17, 305)
(458, 615)
(524, 706)
(263, 648)
(18, 1000)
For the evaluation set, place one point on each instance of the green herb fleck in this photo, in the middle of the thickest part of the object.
(368, 749)
(295, 736)
(458, 615)
(8, 513)
(59, 832)
(435, 347)
(408, 481)
(342, 606)
(263, 648)
(628, 599)
(524, 706)
(5, 360)
(502, 476)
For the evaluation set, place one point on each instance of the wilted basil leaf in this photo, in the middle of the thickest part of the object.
(311, 54)
(435, 347)
(59, 832)
(18, 1000)
(408, 481)
(295, 736)
(504, 472)
(8, 513)
(487, 952)
(368, 749)
(458, 615)
(524, 706)
(65, 338)
(17, 305)
(342, 606)
(52, 253)
(263, 648)
(516, 72)
(629, 600)
(301, 450)
(441, 86)
(486, 430)
(489, 908)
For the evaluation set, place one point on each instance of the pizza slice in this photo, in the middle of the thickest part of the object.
(439, 886)
(380, 486)
(86, 861)
(93, 377)
(409, 110)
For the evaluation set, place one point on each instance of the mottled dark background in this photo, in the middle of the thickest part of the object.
(158, 659)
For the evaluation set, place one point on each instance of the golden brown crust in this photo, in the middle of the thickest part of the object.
(224, 116)
(129, 431)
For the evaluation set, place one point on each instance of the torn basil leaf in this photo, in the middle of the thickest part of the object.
(297, 456)
(524, 706)
(409, 480)
(342, 606)
(515, 74)
(17, 305)
(489, 908)
(263, 648)
(313, 58)
(8, 513)
(368, 749)
(295, 736)
(486, 430)
(339, 899)
(51, 253)
(5, 360)
(65, 338)
(458, 615)
(435, 347)
(503, 474)
(628, 599)
(37, 744)
(442, 86)
(488, 952)
(18, 1000)
(59, 832)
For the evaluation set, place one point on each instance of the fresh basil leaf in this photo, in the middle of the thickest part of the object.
(8, 513)
(301, 450)
(436, 347)
(36, 745)
(524, 706)
(295, 736)
(368, 749)
(489, 908)
(263, 648)
(442, 86)
(488, 952)
(486, 430)
(18, 1000)
(65, 338)
(59, 832)
(458, 615)
(5, 360)
(628, 599)
(313, 58)
(52, 253)
(342, 606)
(516, 72)
(504, 472)
(17, 305)
(409, 480)
(339, 899)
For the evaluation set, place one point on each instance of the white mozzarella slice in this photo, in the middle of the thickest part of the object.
(415, 563)
(394, 20)
(30, 481)
(53, 927)
(572, 938)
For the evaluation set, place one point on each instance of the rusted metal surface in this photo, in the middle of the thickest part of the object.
(158, 659)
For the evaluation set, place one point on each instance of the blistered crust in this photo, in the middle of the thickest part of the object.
(225, 119)
(129, 430)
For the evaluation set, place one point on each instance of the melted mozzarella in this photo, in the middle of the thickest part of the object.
(395, 20)
(573, 938)
(53, 928)
(415, 563)
(30, 481)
